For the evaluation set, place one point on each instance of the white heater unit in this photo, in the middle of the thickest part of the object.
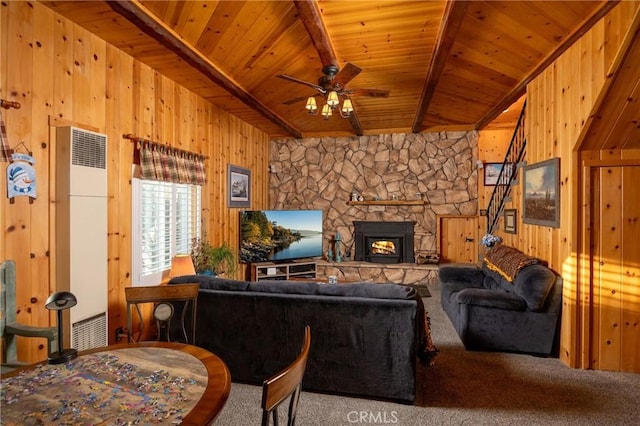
(81, 233)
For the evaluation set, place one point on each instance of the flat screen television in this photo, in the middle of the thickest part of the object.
(280, 235)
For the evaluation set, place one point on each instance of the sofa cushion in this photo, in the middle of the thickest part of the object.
(533, 284)
(369, 290)
(460, 272)
(491, 298)
(284, 287)
(360, 289)
(494, 280)
(212, 283)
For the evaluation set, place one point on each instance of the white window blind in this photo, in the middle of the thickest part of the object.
(166, 218)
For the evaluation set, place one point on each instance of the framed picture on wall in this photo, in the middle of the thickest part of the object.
(510, 221)
(239, 186)
(541, 193)
(492, 172)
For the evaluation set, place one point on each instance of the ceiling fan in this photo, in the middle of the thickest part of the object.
(334, 80)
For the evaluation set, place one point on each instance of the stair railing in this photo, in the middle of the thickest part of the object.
(508, 173)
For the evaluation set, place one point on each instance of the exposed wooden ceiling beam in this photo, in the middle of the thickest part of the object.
(137, 14)
(454, 13)
(521, 88)
(309, 13)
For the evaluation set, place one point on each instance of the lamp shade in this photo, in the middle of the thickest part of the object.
(332, 99)
(326, 111)
(60, 301)
(311, 104)
(347, 106)
(182, 264)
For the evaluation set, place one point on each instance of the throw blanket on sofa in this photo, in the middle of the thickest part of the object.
(427, 351)
(507, 261)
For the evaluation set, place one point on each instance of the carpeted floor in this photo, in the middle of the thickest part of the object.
(472, 388)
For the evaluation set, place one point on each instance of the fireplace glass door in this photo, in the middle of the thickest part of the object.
(384, 250)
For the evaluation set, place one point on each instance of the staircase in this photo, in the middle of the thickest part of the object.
(508, 173)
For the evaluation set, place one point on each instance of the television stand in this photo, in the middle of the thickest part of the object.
(264, 271)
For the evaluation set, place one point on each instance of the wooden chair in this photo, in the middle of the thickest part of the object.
(163, 295)
(10, 329)
(286, 383)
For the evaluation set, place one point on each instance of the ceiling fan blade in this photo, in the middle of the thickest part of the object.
(373, 93)
(298, 99)
(346, 74)
(296, 80)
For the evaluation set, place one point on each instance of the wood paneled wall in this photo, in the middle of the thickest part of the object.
(61, 74)
(559, 103)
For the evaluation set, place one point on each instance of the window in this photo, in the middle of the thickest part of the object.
(166, 218)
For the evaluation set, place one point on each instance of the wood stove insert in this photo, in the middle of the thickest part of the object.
(384, 242)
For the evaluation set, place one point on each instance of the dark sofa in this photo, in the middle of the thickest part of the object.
(511, 303)
(365, 337)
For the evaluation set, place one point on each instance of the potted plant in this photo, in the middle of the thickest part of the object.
(222, 260)
(210, 260)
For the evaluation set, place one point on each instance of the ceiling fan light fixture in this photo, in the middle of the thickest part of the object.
(332, 99)
(326, 111)
(347, 108)
(332, 86)
(311, 106)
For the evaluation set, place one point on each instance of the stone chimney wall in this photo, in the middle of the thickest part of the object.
(322, 173)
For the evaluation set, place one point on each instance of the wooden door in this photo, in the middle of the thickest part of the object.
(615, 268)
(458, 239)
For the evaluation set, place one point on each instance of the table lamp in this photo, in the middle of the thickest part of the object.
(61, 301)
(182, 264)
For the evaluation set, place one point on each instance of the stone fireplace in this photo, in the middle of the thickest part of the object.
(384, 242)
(437, 168)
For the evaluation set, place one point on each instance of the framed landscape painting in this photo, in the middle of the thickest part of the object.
(239, 187)
(492, 172)
(541, 193)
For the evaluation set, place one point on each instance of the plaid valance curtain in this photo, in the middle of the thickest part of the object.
(167, 164)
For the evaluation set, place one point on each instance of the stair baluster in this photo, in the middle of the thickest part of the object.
(508, 172)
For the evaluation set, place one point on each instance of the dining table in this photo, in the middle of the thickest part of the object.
(122, 384)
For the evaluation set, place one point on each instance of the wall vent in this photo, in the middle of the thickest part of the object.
(89, 333)
(81, 229)
(88, 149)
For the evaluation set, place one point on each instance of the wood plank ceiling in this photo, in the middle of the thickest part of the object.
(446, 65)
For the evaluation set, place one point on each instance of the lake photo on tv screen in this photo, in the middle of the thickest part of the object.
(280, 235)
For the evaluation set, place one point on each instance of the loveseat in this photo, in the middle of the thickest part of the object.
(365, 337)
(511, 303)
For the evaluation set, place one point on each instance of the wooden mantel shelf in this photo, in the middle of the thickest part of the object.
(388, 203)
